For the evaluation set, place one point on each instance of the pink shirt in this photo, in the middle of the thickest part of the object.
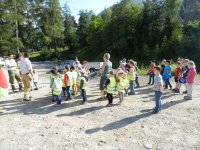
(191, 77)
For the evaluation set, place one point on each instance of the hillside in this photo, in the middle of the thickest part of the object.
(190, 10)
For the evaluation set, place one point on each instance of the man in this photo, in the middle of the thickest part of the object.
(27, 76)
(77, 63)
(13, 73)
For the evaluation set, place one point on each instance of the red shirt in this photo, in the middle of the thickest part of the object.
(177, 72)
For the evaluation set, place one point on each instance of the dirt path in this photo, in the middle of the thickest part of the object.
(37, 125)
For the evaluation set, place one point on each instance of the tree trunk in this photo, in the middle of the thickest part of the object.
(17, 29)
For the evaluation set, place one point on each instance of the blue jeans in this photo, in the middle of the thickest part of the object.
(58, 98)
(158, 95)
(84, 96)
(132, 87)
(151, 79)
(69, 94)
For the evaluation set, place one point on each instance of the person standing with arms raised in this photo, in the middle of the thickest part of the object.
(27, 76)
(105, 69)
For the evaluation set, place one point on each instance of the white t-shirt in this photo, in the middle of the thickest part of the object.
(25, 65)
(11, 62)
(35, 78)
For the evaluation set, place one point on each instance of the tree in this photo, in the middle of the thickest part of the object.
(70, 38)
(54, 24)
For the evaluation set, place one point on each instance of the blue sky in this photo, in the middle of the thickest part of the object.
(96, 5)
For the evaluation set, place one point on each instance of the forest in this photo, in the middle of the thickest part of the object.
(153, 29)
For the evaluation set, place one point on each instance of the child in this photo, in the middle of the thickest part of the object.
(132, 76)
(185, 70)
(137, 76)
(167, 74)
(110, 88)
(68, 82)
(56, 87)
(35, 80)
(177, 76)
(83, 85)
(151, 73)
(120, 85)
(74, 78)
(78, 79)
(52, 77)
(190, 80)
(158, 87)
(162, 66)
(64, 89)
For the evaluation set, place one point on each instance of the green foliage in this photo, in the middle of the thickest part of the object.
(46, 54)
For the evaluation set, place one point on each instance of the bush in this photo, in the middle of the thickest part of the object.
(46, 54)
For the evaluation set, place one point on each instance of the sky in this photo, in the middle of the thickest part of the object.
(96, 5)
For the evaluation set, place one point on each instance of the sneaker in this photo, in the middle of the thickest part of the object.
(155, 111)
(187, 98)
(26, 99)
(131, 93)
(177, 91)
(36, 89)
(185, 92)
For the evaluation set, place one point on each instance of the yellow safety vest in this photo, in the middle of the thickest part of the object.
(57, 86)
(74, 77)
(111, 87)
(121, 85)
(62, 77)
(70, 81)
(132, 74)
(84, 83)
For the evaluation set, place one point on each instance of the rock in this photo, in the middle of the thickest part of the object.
(148, 146)
(142, 126)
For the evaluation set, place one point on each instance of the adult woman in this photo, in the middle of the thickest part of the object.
(105, 69)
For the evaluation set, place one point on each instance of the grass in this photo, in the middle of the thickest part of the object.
(35, 56)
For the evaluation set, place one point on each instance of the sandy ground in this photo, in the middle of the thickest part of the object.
(37, 125)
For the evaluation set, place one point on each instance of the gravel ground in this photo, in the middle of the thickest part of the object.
(38, 125)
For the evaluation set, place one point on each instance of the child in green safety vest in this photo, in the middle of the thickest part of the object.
(56, 87)
(68, 82)
(132, 77)
(52, 77)
(78, 79)
(74, 78)
(110, 88)
(83, 85)
(121, 83)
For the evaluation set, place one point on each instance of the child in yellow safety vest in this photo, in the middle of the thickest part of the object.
(64, 89)
(56, 87)
(52, 77)
(74, 78)
(132, 77)
(68, 82)
(110, 88)
(83, 85)
(121, 85)
(78, 79)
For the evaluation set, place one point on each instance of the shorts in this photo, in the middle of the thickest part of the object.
(176, 79)
(102, 83)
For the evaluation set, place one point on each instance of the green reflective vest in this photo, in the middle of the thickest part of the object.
(121, 85)
(57, 86)
(132, 74)
(111, 87)
(84, 83)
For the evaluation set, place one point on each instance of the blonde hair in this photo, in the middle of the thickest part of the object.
(192, 63)
(106, 56)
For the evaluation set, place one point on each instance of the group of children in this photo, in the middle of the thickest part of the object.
(185, 73)
(121, 80)
(74, 79)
